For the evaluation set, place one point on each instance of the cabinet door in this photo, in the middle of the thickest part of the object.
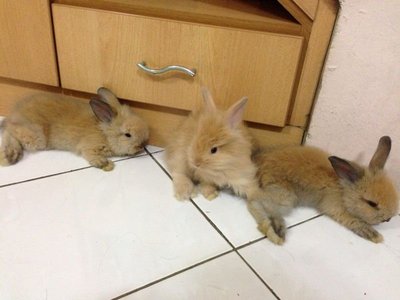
(98, 48)
(26, 41)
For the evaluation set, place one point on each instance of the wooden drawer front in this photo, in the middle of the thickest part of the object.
(26, 41)
(98, 48)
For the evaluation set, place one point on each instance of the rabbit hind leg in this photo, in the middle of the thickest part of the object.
(11, 150)
(268, 210)
(271, 225)
(30, 136)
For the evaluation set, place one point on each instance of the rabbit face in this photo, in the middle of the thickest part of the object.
(219, 145)
(368, 193)
(127, 133)
(216, 149)
(373, 198)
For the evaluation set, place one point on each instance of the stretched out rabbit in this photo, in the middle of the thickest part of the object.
(354, 196)
(212, 148)
(102, 129)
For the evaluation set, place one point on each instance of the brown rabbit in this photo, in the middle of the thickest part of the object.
(102, 129)
(212, 148)
(355, 197)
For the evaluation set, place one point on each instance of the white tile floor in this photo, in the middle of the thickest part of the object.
(69, 231)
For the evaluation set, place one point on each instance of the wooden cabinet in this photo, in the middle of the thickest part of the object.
(27, 49)
(270, 51)
(97, 47)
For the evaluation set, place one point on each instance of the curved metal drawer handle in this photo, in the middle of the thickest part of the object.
(190, 72)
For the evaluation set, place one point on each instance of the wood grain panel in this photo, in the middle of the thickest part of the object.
(98, 48)
(26, 41)
(308, 6)
(253, 15)
(299, 14)
(162, 121)
(318, 44)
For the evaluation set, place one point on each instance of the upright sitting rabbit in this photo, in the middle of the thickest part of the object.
(355, 197)
(102, 129)
(212, 148)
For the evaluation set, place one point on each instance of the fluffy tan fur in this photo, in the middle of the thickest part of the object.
(355, 197)
(43, 122)
(191, 160)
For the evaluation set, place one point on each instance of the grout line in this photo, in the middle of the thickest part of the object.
(251, 242)
(259, 277)
(69, 171)
(223, 236)
(158, 163)
(305, 221)
(198, 208)
(42, 177)
(264, 237)
(173, 274)
(212, 224)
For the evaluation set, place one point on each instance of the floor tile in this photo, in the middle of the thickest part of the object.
(226, 277)
(323, 260)
(229, 213)
(94, 235)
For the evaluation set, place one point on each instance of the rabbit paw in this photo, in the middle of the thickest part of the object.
(184, 189)
(10, 156)
(370, 234)
(32, 141)
(109, 166)
(278, 224)
(268, 230)
(102, 163)
(209, 191)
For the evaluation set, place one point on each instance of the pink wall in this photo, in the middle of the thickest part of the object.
(359, 97)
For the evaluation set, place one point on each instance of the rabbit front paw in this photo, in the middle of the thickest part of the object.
(209, 191)
(274, 230)
(184, 188)
(102, 163)
(370, 234)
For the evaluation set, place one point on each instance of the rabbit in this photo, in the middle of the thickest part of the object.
(354, 196)
(212, 148)
(96, 130)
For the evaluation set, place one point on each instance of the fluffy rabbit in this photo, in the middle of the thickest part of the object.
(354, 196)
(102, 129)
(213, 149)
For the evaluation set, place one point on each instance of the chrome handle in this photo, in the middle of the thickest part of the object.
(190, 72)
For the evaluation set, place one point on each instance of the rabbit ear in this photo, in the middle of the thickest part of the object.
(345, 170)
(381, 154)
(102, 110)
(235, 113)
(107, 96)
(208, 100)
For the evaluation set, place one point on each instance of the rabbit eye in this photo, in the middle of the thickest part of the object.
(213, 150)
(128, 135)
(371, 203)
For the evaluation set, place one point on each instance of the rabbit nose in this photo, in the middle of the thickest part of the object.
(387, 220)
(197, 162)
